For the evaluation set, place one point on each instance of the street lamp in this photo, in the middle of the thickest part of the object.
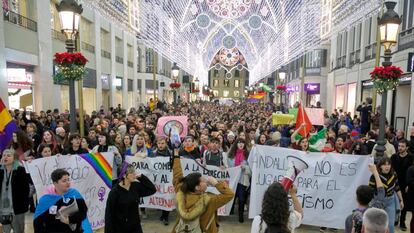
(175, 70)
(282, 73)
(69, 14)
(388, 26)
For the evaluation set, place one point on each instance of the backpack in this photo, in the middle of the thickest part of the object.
(189, 220)
(191, 226)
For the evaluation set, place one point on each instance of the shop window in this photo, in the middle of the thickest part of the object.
(226, 94)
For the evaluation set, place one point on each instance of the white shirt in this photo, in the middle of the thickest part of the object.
(295, 219)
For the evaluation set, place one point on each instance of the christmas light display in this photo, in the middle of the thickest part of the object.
(268, 33)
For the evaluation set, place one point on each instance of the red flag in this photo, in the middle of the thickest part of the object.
(303, 118)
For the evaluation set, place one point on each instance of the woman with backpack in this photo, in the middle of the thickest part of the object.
(197, 210)
(276, 216)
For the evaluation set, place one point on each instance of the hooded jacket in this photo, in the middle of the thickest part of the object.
(190, 205)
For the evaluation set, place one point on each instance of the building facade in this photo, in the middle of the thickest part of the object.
(119, 71)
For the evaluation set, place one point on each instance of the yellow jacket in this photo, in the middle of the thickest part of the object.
(190, 200)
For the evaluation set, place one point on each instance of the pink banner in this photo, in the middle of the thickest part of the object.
(165, 124)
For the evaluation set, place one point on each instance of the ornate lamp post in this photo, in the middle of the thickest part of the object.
(175, 70)
(69, 14)
(388, 26)
(282, 76)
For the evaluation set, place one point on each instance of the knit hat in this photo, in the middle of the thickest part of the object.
(354, 134)
(276, 136)
(231, 134)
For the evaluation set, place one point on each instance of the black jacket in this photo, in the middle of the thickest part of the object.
(122, 206)
(20, 189)
(194, 154)
(47, 221)
(69, 151)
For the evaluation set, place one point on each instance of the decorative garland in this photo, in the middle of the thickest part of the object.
(175, 85)
(280, 89)
(386, 78)
(15, 93)
(71, 66)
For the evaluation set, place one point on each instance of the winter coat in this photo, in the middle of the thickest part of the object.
(122, 206)
(19, 188)
(189, 203)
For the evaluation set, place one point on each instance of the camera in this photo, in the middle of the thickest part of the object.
(6, 219)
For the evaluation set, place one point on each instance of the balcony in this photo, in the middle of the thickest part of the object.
(119, 60)
(406, 39)
(358, 56)
(88, 47)
(341, 62)
(130, 64)
(105, 54)
(351, 59)
(58, 35)
(20, 20)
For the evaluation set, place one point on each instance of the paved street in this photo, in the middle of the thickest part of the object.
(228, 224)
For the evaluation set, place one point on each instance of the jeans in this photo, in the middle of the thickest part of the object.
(391, 208)
(17, 224)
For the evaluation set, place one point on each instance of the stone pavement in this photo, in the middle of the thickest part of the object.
(228, 224)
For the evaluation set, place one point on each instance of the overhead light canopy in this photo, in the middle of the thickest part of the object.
(389, 24)
(69, 14)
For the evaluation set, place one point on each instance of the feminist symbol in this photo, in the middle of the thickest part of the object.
(101, 193)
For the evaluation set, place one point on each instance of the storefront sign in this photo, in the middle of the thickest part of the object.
(312, 88)
(410, 65)
(367, 84)
(404, 80)
(291, 89)
(19, 75)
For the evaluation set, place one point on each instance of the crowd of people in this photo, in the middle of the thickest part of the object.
(218, 135)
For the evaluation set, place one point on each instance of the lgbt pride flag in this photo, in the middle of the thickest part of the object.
(100, 165)
(7, 126)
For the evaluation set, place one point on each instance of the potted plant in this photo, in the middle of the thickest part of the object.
(386, 78)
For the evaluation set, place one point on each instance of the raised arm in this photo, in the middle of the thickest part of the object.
(226, 194)
(177, 171)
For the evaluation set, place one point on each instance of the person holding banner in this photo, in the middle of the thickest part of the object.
(237, 156)
(189, 150)
(163, 151)
(139, 147)
(276, 216)
(122, 214)
(197, 210)
(14, 193)
(392, 188)
(62, 209)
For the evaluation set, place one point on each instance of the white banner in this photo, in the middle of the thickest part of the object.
(326, 188)
(158, 171)
(83, 177)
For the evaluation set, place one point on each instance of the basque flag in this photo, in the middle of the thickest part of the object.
(7, 126)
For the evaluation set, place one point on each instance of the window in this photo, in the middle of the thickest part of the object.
(215, 83)
(236, 83)
(226, 94)
(237, 73)
(236, 93)
(215, 73)
(227, 83)
(216, 93)
(86, 31)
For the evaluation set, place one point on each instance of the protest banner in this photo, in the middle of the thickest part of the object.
(316, 115)
(179, 123)
(326, 188)
(89, 174)
(294, 112)
(282, 119)
(158, 171)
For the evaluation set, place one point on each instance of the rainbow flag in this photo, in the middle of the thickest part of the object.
(100, 165)
(7, 126)
(258, 95)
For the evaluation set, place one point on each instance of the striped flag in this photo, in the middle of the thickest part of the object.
(7, 126)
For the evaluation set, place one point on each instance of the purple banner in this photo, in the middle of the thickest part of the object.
(290, 89)
(312, 88)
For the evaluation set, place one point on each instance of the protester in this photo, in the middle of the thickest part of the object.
(105, 145)
(195, 207)
(74, 147)
(22, 146)
(390, 182)
(410, 195)
(375, 221)
(189, 149)
(14, 193)
(50, 139)
(122, 214)
(238, 156)
(50, 216)
(163, 151)
(139, 148)
(276, 217)
(44, 150)
(365, 110)
(214, 156)
(400, 162)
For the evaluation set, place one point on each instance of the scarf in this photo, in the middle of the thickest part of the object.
(103, 148)
(239, 158)
(189, 149)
